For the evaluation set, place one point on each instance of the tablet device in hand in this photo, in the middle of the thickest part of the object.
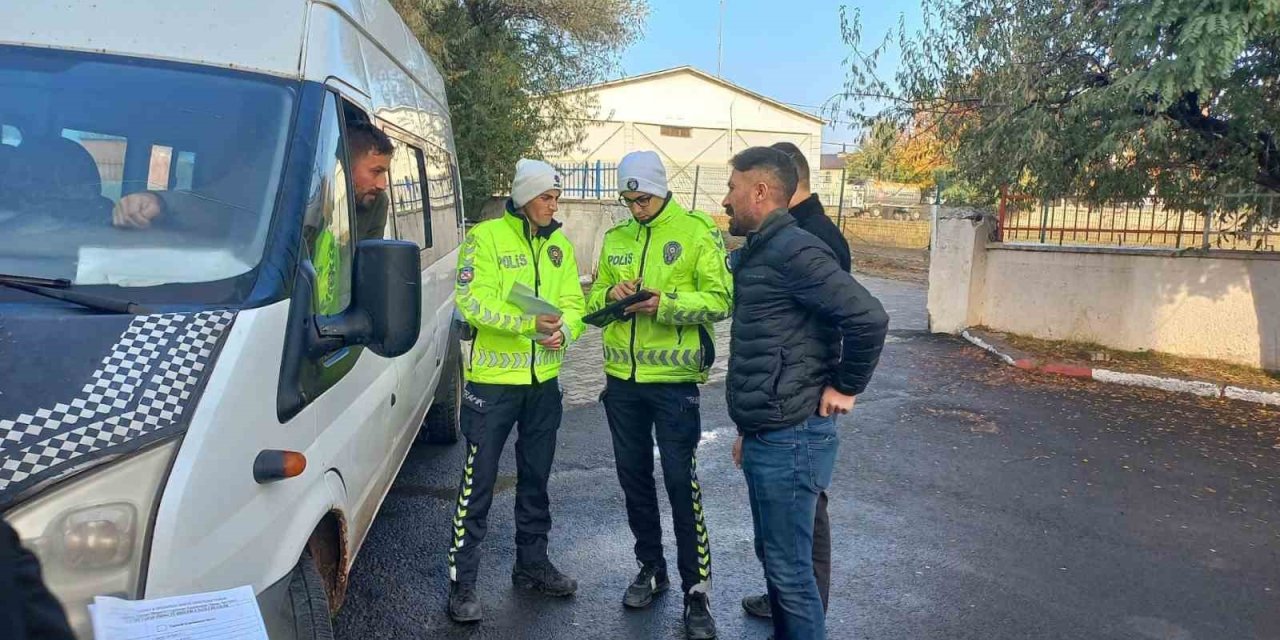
(616, 311)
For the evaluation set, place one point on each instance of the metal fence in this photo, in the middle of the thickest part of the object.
(589, 181)
(1243, 222)
(704, 186)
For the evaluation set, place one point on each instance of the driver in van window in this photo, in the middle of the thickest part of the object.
(368, 147)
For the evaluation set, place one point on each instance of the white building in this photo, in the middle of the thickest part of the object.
(695, 121)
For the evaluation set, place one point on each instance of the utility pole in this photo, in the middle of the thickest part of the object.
(720, 43)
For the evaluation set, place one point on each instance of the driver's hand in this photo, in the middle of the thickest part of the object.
(136, 210)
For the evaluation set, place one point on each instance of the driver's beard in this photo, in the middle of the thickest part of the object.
(737, 226)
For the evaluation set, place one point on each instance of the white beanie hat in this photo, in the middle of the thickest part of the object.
(533, 178)
(642, 171)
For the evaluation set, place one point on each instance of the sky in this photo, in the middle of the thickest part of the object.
(789, 50)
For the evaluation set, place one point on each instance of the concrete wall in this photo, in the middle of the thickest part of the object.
(1220, 305)
(585, 222)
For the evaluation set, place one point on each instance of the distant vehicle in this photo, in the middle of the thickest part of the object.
(180, 411)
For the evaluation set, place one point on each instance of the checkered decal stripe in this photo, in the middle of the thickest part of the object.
(141, 388)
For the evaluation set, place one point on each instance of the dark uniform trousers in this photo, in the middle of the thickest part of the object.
(489, 412)
(637, 413)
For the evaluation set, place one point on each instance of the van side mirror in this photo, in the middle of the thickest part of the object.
(386, 307)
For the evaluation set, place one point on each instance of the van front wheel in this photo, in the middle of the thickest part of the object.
(443, 424)
(310, 601)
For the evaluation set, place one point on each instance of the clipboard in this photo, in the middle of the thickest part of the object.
(614, 312)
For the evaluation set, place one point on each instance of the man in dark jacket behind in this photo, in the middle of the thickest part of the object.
(808, 211)
(806, 338)
(27, 610)
(811, 216)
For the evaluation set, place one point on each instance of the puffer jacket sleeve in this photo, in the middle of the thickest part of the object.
(832, 294)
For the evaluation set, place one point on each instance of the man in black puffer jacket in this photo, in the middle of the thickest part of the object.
(811, 216)
(806, 338)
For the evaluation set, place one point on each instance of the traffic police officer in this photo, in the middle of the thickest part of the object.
(653, 363)
(511, 377)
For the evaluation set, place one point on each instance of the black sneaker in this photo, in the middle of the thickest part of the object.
(758, 606)
(698, 623)
(464, 606)
(651, 581)
(544, 578)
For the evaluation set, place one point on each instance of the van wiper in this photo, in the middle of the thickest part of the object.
(60, 289)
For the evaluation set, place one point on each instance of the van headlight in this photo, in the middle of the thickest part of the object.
(90, 533)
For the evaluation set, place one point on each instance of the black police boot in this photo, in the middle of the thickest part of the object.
(543, 577)
(758, 606)
(651, 581)
(698, 623)
(464, 606)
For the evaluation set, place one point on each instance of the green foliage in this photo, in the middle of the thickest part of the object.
(507, 66)
(875, 156)
(1098, 99)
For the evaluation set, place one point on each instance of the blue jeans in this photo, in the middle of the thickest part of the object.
(786, 469)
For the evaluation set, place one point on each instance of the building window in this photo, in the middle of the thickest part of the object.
(677, 132)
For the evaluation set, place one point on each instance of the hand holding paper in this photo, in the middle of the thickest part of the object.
(529, 302)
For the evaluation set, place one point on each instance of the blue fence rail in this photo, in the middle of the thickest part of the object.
(589, 181)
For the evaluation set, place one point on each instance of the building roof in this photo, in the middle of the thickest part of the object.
(707, 77)
(832, 161)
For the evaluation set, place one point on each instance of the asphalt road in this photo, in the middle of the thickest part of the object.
(971, 500)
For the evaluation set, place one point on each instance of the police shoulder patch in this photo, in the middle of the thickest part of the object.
(671, 252)
(466, 275)
(556, 254)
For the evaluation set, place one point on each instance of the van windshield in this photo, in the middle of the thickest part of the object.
(117, 171)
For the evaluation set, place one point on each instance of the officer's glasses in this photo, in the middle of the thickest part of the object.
(640, 201)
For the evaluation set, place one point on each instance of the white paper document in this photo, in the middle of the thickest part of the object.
(219, 615)
(524, 297)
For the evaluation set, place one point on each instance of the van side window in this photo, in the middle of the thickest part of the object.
(441, 185)
(327, 226)
(108, 153)
(408, 195)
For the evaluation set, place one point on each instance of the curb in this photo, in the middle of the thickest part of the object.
(1172, 385)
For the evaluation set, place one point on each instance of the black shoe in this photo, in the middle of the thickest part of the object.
(651, 581)
(698, 623)
(758, 606)
(544, 578)
(464, 606)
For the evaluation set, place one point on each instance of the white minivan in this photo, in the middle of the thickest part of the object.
(177, 414)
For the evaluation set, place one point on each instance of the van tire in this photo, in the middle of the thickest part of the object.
(443, 424)
(310, 601)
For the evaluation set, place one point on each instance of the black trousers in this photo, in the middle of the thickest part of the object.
(638, 414)
(489, 412)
